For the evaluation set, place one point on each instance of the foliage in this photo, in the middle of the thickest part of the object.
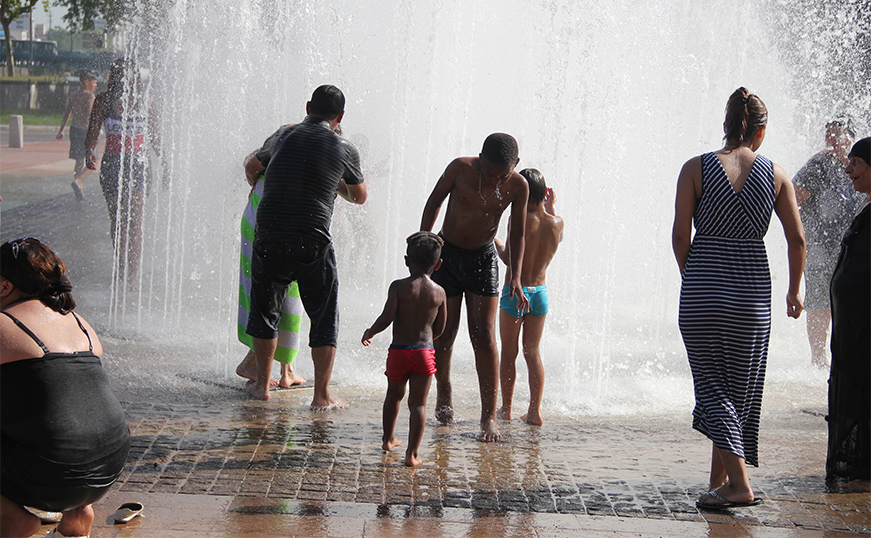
(12, 9)
(81, 13)
(9, 11)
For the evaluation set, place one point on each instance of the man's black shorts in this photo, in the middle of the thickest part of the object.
(274, 265)
(475, 271)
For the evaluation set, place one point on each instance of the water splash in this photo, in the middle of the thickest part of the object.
(607, 103)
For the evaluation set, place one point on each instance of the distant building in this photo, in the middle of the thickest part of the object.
(20, 28)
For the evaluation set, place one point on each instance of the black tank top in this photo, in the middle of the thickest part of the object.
(61, 405)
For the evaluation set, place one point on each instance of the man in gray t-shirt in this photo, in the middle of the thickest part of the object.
(307, 167)
(828, 204)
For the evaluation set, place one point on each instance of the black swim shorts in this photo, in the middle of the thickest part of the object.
(312, 265)
(475, 271)
(78, 149)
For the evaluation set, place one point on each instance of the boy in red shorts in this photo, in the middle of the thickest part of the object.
(417, 307)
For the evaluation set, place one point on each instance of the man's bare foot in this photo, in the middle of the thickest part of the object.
(445, 414)
(858, 486)
(504, 413)
(489, 433)
(387, 446)
(289, 377)
(328, 403)
(246, 367)
(245, 370)
(532, 418)
(412, 460)
(257, 391)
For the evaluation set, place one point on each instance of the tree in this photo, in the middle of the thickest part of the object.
(81, 13)
(9, 11)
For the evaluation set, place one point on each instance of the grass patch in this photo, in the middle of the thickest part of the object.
(57, 79)
(34, 117)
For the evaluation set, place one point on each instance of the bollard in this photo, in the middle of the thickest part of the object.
(16, 131)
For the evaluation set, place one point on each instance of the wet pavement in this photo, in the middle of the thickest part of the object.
(208, 461)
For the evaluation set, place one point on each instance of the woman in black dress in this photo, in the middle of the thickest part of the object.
(63, 436)
(849, 454)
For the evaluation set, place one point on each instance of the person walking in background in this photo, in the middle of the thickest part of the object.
(725, 298)
(416, 306)
(544, 232)
(64, 435)
(79, 109)
(827, 203)
(292, 241)
(849, 418)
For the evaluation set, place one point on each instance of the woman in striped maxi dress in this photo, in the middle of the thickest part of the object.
(725, 301)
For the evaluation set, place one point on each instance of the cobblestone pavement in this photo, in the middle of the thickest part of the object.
(627, 468)
(208, 461)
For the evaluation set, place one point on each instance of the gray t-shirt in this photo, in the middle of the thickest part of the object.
(304, 165)
(832, 205)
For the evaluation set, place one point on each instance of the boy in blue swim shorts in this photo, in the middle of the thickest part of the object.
(544, 231)
(417, 308)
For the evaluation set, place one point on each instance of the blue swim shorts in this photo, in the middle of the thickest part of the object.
(537, 296)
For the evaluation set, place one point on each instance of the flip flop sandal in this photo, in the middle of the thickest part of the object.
(45, 517)
(53, 533)
(725, 503)
(128, 511)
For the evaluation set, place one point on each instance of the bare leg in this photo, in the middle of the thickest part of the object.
(718, 470)
(289, 377)
(264, 350)
(323, 358)
(395, 393)
(126, 228)
(737, 486)
(80, 172)
(15, 520)
(533, 328)
(134, 237)
(444, 349)
(482, 331)
(818, 321)
(509, 332)
(77, 522)
(418, 390)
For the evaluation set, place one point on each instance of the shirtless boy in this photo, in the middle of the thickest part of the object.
(544, 231)
(417, 308)
(79, 107)
(478, 189)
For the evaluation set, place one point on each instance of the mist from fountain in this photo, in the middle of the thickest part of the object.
(607, 103)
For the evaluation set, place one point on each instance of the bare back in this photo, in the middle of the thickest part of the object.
(80, 106)
(420, 310)
(737, 163)
(543, 235)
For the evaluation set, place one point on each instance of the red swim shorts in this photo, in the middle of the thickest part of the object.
(405, 360)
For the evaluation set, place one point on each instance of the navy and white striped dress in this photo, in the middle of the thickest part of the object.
(725, 305)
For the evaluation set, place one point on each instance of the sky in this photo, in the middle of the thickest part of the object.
(41, 16)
